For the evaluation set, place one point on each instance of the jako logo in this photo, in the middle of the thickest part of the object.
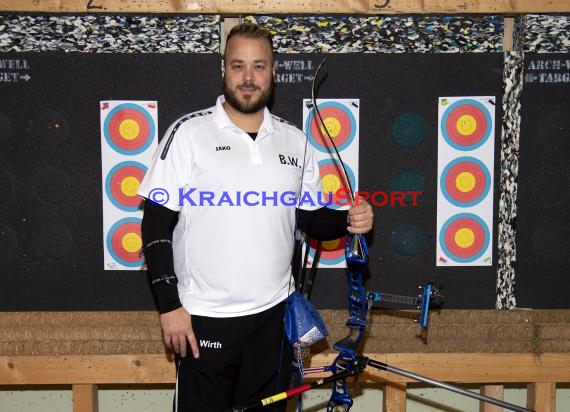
(218, 148)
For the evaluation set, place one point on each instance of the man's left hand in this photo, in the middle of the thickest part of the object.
(360, 218)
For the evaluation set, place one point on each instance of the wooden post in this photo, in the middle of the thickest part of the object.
(227, 25)
(492, 391)
(394, 397)
(508, 29)
(541, 396)
(85, 398)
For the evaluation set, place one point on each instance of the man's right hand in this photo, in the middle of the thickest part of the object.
(177, 331)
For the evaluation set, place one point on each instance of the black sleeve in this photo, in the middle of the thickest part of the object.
(323, 223)
(157, 227)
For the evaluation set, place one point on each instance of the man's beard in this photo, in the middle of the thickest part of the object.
(249, 105)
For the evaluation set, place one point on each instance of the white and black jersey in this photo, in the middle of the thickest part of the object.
(235, 196)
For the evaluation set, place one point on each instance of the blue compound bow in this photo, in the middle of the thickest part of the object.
(360, 302)
(348, 362)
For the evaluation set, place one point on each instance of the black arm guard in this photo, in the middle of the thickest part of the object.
(157, 227)
(323, 223)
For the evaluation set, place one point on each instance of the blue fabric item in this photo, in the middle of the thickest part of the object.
(303, 324)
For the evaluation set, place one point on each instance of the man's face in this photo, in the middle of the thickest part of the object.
(248, 73)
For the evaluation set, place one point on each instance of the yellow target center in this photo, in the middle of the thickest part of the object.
(330, 244)
(130, 185)
(464, 238)
(131, 242)
(129, 129)
(333, 126)
(330, 183)
(466, 125)
(465, 182)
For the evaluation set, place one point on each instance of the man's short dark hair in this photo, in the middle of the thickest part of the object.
(252, 31)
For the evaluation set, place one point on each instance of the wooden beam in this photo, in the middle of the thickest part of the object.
(240, 7)
(158, 369)
(86, 369)
(466, 367)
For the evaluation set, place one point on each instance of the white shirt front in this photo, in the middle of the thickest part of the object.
(234, 238)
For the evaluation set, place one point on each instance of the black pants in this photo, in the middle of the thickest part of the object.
(241, 360)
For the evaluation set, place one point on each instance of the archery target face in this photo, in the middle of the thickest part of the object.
(465, 181)
(340, 124)
(124, 242)
(340, 118)
(464, 237)
(122, 184)
(465, 165)
(333, 179)
(129, 129)
(332, 251)
(466, 124)
(128, 142)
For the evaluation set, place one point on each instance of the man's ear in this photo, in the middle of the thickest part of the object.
(223, 68)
